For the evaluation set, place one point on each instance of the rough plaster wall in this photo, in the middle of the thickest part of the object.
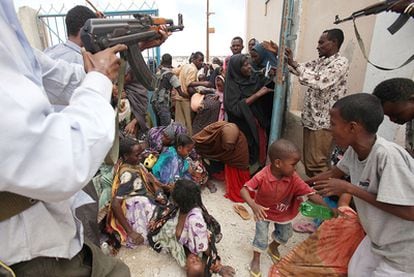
(28, 19)
(263, 23)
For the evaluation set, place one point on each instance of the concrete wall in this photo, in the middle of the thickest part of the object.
(30, 24)
(390, 51)
(263, 21)
(311, 18)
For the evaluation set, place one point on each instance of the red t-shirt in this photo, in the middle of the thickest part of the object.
(280, 196)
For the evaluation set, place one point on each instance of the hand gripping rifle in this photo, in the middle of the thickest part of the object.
(100, 33)
(375, 9)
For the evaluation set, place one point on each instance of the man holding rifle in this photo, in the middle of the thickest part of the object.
(48, 157)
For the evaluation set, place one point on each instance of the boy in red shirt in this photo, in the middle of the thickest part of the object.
(278, 188)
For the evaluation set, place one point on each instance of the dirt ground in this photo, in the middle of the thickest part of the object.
(235, 248)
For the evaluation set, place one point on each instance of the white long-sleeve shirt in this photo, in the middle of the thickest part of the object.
(46, 155)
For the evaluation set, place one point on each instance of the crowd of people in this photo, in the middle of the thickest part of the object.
(212, 121)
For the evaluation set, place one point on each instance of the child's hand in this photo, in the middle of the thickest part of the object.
(331, 187)
(259, 212)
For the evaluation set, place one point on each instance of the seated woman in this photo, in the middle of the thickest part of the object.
(189, 234)
(160, 138)
(223, 141)
(135, 194)
(172, 164)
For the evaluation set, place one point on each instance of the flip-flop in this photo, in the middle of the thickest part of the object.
(254, 274)
(241, 210)
(304, 227)
(275, 258)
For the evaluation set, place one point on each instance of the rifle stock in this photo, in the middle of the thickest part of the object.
(100, 33)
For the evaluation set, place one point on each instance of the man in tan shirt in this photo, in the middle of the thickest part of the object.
(188, 80)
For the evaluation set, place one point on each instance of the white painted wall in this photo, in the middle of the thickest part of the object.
(317, 15)
(390, 51)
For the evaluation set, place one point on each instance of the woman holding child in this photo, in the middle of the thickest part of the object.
(141, 213)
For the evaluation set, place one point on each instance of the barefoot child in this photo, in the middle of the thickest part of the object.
(382, 186)
(277, 188)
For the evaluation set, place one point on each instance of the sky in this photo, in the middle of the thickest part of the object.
(228, 20)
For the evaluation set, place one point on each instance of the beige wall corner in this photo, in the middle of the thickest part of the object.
(29, 21)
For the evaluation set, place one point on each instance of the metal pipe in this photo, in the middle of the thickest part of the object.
(280, 91)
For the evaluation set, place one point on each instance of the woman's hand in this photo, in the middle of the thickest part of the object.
(263, 91)
(135, 238)
(131, 128)
(227, 271)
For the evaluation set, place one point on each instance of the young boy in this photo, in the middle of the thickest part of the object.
(277, 188)
(382, 183)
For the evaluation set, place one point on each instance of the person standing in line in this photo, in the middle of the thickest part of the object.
(188, 80)
(326, 80)
(161, 100)
(236, 47)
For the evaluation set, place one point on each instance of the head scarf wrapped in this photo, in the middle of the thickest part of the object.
(237, 89)
(265, 56)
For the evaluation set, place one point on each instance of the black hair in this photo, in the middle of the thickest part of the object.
(190, 59)
(183, 140)
(282, 149)
(187, 195)
(197, 55)
(166, 60)
(335, 34)
(76, 18)
(125, 145)
(394, 90)
(238, 38)
(363, 108)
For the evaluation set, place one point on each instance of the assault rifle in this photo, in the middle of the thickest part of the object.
(100, 33)
(375, 9)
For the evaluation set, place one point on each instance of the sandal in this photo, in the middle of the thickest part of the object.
(254, 274)
(241, 210)
(275, 257)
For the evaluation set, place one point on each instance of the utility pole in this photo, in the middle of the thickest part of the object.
(208, 31)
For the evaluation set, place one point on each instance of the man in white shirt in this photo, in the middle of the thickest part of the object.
(70, 50)
(49, 156)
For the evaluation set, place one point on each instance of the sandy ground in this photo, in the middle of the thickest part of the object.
(235, 248)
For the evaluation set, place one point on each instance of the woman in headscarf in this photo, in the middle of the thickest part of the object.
(260, 56)
(248, 104)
